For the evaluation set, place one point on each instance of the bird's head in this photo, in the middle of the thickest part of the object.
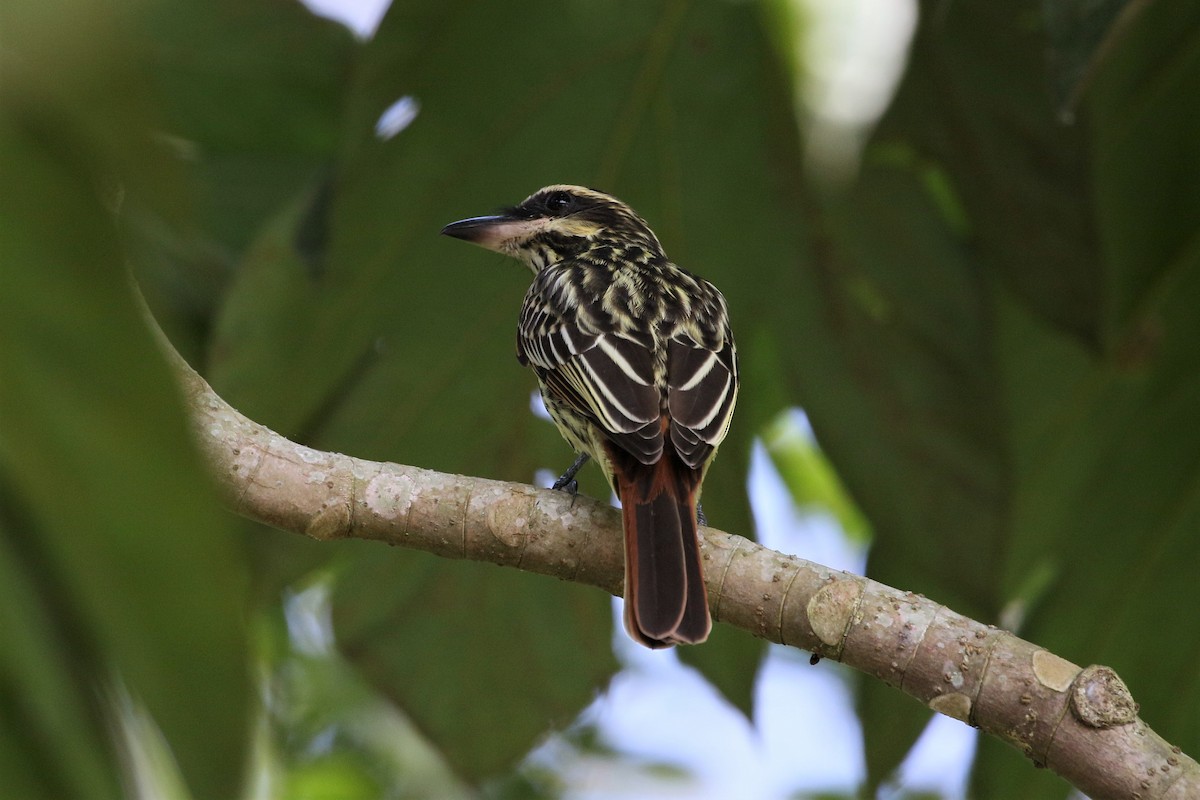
(559, 223)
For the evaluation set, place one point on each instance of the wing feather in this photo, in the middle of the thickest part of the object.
(604, 373)
(603, 376)
(702, 385)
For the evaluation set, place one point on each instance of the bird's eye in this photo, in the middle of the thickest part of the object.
(558, 203)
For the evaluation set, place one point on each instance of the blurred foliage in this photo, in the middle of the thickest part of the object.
(992, 328)
(812, 481)
(324, 732)
(119, 569)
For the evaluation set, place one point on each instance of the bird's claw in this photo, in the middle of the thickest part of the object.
(569, 485)
(566, 484)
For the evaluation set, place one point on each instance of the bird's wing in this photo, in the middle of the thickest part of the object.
(702, 383)
(604, 375)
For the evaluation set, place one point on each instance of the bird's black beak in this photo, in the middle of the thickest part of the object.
(474, 229)
(500, 232)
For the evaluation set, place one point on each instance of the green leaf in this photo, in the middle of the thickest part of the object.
(896, 721)
(909, 411)
(120, 545)
(277, 75)
(1001, 772)
(1145, 165)
(333, 777)
(483, 660)
(814, 485)
(1082, 33)
(974, 115)
(41, 693)
(250, 94)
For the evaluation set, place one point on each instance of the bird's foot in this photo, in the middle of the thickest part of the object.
(700, 518)
(567, 482)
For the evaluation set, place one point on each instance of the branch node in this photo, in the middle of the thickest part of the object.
(832, 610)
(1100, 699)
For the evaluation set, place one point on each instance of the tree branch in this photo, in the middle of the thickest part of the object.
(1080, 723)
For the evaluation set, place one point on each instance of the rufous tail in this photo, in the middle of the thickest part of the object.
(665, 598)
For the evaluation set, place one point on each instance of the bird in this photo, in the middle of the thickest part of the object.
(636, 364)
